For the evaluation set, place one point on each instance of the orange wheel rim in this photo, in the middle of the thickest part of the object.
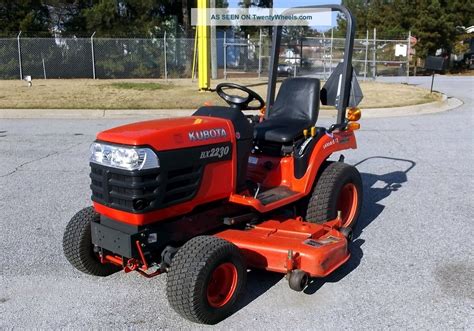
(222, 285)
(347, 203)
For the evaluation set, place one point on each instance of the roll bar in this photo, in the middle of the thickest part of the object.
(347, 65)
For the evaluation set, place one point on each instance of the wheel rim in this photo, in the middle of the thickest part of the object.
(347, 204)
(222, 284)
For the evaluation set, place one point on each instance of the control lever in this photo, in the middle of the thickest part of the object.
(257, 191)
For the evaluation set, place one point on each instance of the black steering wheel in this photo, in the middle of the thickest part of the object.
(235, 101)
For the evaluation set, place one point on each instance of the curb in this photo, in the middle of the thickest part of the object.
(445, 104)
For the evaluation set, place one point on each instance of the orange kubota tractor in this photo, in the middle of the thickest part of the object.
(204, 198)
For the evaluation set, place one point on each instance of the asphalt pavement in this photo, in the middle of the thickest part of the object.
(411, 266)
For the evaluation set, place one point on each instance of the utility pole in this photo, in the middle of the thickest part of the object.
(204, 77)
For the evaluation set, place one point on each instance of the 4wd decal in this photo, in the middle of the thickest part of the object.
(207, 134)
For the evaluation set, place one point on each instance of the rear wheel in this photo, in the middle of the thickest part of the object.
(205, 280)
(78, 248)
(339, 188)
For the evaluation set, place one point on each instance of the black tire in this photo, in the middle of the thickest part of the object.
(322, 204)
(298, 280)
(189, 279)
(78, 248)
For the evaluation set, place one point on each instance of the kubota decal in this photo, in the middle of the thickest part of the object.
(207, 134)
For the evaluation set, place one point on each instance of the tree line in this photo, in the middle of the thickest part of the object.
(435, 23)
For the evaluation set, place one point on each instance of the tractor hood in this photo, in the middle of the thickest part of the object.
(171, 133)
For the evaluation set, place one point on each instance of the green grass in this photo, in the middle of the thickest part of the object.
(140, 86)
(161, 94)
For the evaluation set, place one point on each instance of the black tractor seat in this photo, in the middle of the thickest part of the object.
(296, 108)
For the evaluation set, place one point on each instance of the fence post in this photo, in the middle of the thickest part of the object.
(260, 54)
(225, 55)
(19, 55)
(375, 53)
(193, 74)
(330, 55)
(212, 4)
(366, 53)
(408, 56)
(44, 67)
(164, 50)
(295, 59)
(324, 56)
(93, 55)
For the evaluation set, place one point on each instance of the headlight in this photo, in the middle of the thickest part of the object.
(123, 157)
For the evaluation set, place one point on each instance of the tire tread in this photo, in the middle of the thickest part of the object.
(187, 275)
(77, 245)
(322, 197)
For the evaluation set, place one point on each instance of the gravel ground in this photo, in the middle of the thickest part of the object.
(411, 264)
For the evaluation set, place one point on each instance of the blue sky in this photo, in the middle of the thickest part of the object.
(292, 3)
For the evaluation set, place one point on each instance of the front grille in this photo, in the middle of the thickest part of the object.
(144, 190)
(182, 184)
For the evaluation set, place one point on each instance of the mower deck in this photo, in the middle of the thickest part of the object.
(286, 245)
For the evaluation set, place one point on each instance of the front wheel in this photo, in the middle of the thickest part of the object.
(78, 248)
(205, 280)
(339, 188)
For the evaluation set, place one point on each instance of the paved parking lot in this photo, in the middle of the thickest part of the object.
(411, 266)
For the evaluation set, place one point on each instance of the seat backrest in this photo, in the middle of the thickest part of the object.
(297, 99)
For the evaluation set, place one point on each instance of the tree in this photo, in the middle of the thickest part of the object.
(432, 28)
(118, 18)
(66, 16)
(253, 30)
(29, 16)
(433, 22)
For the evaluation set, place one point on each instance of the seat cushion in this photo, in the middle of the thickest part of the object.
(297, 99)
(279, 131)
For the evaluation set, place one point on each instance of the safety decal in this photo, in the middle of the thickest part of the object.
(321, 242)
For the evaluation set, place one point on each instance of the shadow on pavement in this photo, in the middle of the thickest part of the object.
(258, 282)
(371, 209)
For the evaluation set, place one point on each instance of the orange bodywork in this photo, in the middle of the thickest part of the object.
(169, 133)
(281, 172)
(173, 134)
(285, 245)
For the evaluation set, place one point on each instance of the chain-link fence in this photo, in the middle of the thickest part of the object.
(317, 56)
(167, 57)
